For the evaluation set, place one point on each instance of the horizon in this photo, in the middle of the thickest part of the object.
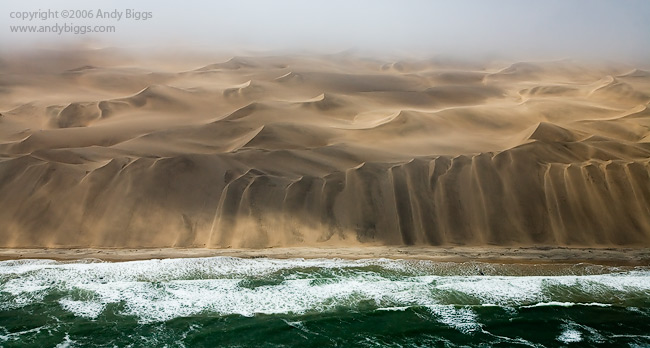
(591, 30)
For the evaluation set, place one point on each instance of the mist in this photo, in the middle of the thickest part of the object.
(616, 30)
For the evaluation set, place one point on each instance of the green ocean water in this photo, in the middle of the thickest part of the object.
(235, 302)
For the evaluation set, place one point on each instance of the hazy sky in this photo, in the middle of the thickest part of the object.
(555, 28)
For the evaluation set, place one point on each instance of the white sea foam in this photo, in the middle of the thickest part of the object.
(392, 309)
(87, 309)
(462, 319)
(570, 334)
(566, 304)
(499, 290)
(159, 290)
(66, 343)
(516, 340)
(6, 336)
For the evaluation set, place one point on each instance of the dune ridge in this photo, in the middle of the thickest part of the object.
(332, 150)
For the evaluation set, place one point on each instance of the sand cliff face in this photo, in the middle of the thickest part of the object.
(281, 151)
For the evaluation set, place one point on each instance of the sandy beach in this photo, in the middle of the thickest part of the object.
(528, 255)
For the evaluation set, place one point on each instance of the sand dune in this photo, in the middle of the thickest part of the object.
(322, 150)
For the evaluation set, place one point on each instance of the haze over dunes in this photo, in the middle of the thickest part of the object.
(312, 150)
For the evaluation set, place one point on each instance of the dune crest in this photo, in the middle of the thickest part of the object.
(325, 150)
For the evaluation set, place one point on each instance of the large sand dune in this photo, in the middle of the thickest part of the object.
(335, 150)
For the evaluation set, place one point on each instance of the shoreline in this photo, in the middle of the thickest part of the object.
(627, 256)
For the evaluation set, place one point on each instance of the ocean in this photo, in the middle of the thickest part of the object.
(262, 302)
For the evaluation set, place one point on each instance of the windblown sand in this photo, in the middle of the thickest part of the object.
(321, 151)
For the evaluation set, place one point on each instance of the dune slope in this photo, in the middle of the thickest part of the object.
(324, 150)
